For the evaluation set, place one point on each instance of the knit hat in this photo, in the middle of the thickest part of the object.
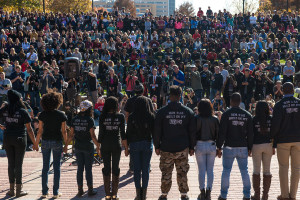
(139, 88)
(13, 96)
(84, 105)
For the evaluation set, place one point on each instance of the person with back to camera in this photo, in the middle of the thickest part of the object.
(111, 132)
(83, 129)
(174, 139)
(236, 134)
(139, 133)
(16, 122)
(285, 130)
(262, 150)
(207, 134)
(52, 130)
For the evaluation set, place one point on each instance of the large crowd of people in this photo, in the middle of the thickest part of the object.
(182, 84)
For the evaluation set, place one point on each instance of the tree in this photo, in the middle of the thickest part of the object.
(236, 6)
(186, 8)
(265, 5)
(66, 6)
(127, 4)
(28, 5)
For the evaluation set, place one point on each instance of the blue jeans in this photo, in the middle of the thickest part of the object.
(84, 161)
(56, 148)
(213, 93)
(35, 99)
(241, 155)
(205, 156)
(141, 153)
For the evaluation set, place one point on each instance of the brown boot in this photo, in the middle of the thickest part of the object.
(106, 181)
(266, 186)
(80, 190)
(256, 186)
(115, 186)
(11, 191)
(19, 192)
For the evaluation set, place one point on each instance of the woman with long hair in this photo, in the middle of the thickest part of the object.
(207, 134)
(52, 130)
(262, 149)
(111, 132)
(16, 122)
(83, 129)
(139, 136)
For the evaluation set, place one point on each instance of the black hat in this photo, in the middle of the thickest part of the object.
(13, 96)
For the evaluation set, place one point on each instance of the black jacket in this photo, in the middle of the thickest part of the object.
(207, 128)
(286, 120)
(250, 86)
(236, 129)
(217, 83)
(175, 128)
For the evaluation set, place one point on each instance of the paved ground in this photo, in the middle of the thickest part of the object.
(32, 180)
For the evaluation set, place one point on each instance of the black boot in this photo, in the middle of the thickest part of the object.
(144, 194)
(201, 195)
(106, 181)
(80, 191)
(91, 191)
(208, 195)
(138, 194)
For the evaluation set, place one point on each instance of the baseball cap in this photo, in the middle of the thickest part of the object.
(84, 105)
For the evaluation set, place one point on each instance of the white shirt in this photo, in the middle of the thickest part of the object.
(253, 20)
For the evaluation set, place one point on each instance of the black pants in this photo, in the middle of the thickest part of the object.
(15, 148)
(111, 161)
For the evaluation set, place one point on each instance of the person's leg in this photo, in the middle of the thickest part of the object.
(20, 149)
(46, 152)
(166, 166)
(182, 168)
(201, 162)
(267, 177)
(136, 157)
(295, 166)
(57, 153)
(257, 158)
(283, 155)
(80, 166)
(210, 161)
(88, 165)
(242, 160)
(228, 158)
(106, 171)
(146, 158)
(116, 155)
(10, 154)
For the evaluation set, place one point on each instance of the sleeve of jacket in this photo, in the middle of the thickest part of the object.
(250, 134)
(101, 131)
(192, 131)
(217, 129)
(122, 128)
(222, 131)
(158, 126)
(276, 121)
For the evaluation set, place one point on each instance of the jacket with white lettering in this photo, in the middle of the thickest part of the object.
(286, 120)
(175, 128)
(236, 129)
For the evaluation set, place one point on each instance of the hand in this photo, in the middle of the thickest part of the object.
(66, 149)
(192, 151)
(249, 153)
(2, 127)
(219, 153)
(157, 151)
(274, 151)
(98, 150)
(124, 143)
(126, 152)
(35, 147)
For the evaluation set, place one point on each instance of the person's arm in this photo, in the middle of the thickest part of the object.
(250, 135)
(222, 132)
(157, 134)
(31, 136)
(39, 134)
(192, 134)
(93, 136)
(276, 120)
(64, 131)
(69, 139)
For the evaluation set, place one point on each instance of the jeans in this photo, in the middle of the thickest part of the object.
(84, 161)
(205, 156)
(141, 153)
(241, 155)
(213, 93)
(111, 161)
(15, 148)
(35, 99)
(56, 148)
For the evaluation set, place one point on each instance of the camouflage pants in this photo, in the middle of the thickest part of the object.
(167, 161)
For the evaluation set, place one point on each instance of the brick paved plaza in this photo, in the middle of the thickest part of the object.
(32, 180)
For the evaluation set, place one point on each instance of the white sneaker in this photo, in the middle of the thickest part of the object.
(56, 196)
